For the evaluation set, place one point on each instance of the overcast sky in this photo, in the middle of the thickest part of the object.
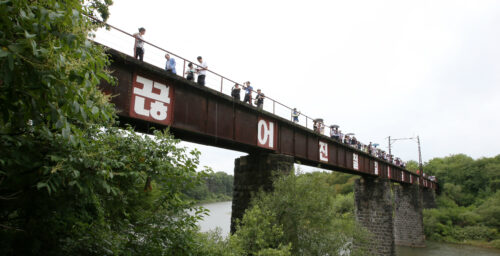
(376, 68)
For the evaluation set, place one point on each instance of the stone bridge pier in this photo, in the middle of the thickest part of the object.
(408, 216)
(373, 208)
(391, 212)
(253, 172)
(429, 198)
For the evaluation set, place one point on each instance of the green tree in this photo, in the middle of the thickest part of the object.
(468, 205)
(412, 166)
(70, 182)
(216, 187)
(303, 211)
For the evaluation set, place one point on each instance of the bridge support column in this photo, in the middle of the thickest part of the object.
(374, 211)
(251, 173)
(429, 198)
(408, 216)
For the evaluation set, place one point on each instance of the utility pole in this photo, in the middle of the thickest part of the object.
(389, 138)
(420, 166)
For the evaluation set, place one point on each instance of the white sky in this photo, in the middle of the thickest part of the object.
(376, 68)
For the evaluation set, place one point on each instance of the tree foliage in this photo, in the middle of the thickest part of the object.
(469, 205)
(70, 182)
(304, 212)
(216, 187)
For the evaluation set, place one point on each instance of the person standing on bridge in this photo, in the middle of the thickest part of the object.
(248, 93)
(202, 71)
(341, 136)
(333, 133)
(235, 92)
(139, 44)
(295, 115)
(260, 99)
(170, 66)
(190, 72)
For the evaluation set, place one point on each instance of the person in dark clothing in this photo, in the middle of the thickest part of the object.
(190, 72)
(354, 141)
(235, 93)
(259, 101)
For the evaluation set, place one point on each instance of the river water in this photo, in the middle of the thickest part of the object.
(220, 217)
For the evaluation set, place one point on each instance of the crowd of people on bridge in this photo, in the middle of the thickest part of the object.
(350, 140)
(318, 125)
(236, 94)
(170, 64)
(201, 72)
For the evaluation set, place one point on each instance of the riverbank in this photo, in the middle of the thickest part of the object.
(217, 199)
(220, 216)
(480, 244)
(446, 249)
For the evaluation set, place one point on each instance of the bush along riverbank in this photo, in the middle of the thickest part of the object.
(305, 214)
(468, 206)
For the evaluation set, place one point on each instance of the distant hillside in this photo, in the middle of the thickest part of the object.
(469, 204)
(217, 187)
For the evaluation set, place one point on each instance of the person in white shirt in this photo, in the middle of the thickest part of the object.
(321, 128)
(341, 136)
(202, 71)
(334, 133)
(139, 44)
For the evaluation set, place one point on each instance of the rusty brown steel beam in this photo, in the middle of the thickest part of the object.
(147, 96)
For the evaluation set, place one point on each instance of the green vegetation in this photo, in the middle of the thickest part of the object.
(71, 183)
(469, 204)
(216, 187)
(306, 214)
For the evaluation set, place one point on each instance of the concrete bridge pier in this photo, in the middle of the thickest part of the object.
(253, 172)
(429, 198)
(408, 216)
(374, 210)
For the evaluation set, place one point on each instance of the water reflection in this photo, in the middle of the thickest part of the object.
(220, 217)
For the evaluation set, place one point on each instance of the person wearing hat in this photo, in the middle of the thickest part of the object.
(260, 99)
(202, 71)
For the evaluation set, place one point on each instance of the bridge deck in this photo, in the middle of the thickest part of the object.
(147, 96)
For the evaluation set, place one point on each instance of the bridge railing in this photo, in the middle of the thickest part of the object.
(123, 41)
